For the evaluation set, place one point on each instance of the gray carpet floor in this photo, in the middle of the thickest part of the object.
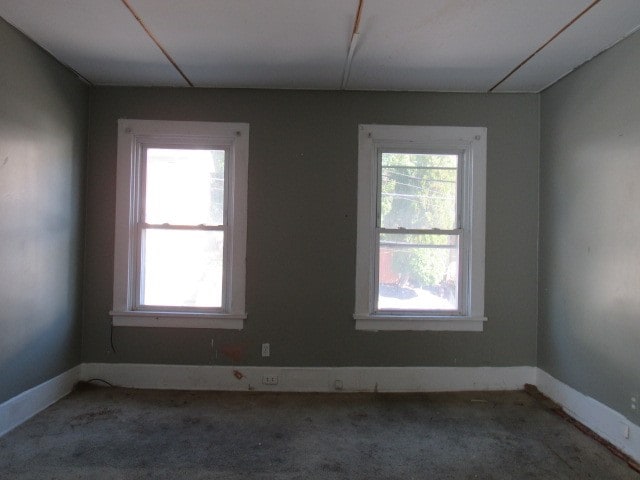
(116, 433)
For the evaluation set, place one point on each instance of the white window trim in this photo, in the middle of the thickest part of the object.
(473, 142)
(234, 137)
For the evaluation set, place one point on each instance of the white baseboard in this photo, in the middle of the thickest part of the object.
(310, 379)
(22, 407)
(606, 422)
(603, 420)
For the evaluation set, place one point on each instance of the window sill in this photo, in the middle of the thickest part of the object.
(379, 322)
(178, 320)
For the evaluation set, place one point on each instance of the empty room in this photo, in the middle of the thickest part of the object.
(333, 239)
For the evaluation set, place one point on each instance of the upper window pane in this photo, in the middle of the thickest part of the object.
(184, 186)
(418, 191)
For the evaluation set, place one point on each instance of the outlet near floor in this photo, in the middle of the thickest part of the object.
(270, 379)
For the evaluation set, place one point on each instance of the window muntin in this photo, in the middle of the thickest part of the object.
(421, 210)
(180, 224)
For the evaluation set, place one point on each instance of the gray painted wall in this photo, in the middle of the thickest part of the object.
(43, 112)
(589, 329)
(302, 228)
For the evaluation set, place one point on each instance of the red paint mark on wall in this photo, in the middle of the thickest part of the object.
(236, 353)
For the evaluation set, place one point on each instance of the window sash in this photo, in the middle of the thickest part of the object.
(421, 151)
(461, 231)
(178, 144)
(462, 269)
(204, 266)
(141, 225)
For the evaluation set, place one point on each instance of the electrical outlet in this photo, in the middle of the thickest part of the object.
(270, 379)
(634, 402)
(266, 350)
(337, 385)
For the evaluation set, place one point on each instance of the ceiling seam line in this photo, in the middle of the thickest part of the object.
(155, 40)
(355, 34)
(545, 44)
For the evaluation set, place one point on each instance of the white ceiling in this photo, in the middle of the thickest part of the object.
(421, 45)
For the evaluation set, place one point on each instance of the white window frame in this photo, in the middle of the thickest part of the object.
(133, 137)
(471, 143)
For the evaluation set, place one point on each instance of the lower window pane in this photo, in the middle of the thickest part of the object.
(418, 272)
(182, 268)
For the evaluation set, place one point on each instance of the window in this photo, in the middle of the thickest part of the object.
(421, 223)
(181, 203)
